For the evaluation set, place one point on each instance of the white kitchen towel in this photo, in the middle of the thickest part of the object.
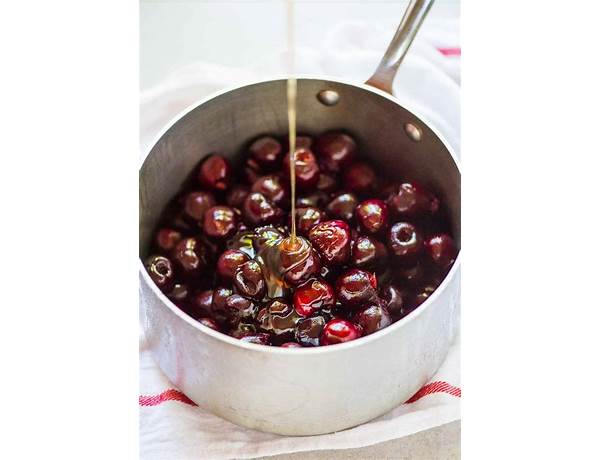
(172, 426)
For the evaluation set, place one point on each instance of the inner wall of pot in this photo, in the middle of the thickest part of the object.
(226, 123)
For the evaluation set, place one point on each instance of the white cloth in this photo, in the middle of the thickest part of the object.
(427, 82)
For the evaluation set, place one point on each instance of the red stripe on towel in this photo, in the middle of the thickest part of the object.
(435, 387)
(450, 51)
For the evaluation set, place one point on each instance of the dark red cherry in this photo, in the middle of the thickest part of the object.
(424, 293)
(406, 242)
(442, 249)
(219, 304)
(249, 280)
(228, 263)
(239, 309)
(327, 182)
(355, 287)
(299, 262)
(307, 218)
(335, 151)
(220, 222)
(339, 331)
(308, 331)
(342, 206)
(161, 271)
(180, 295)
(372, 215)
(236, 195)
(273, 188)
(412, 200)
(267, 152)
(312, 296)
(316, 199)
(279, 319)
(360, 178)
(191, 257)
(208, 322)
(259, 339)
(267, 235)
(258, 210)
(367, 252)
(195, 204)
(395, 300)
(290, 345)
(202, 304)
(373, 318)
(167, 239)
(307, 169)
(243, 329)
(252, 170)
(332, 240)
(215, 173)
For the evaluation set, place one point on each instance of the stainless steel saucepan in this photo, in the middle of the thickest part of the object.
(311, 390)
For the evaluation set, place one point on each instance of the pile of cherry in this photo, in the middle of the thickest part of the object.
(379, 248)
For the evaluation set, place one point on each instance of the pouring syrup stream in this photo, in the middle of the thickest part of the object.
(292, 90)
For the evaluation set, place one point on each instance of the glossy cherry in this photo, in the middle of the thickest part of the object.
(209, 322)
(249, 280)
(360, 178)
(332, 240)
(410, 199)
(307, 169)
(442, 249)
(220, 222)
(219, 304)
(342, 206)
(405, 241)
(228, 263)
(355, 287)
(191, 257)
(202, 304)
(259, 210)
(279, 319)
(394, 299)
(252, 170)
(239, 309)
(339, 331)
(308, 331)
(307, 218)
(367, 252)
(373, 318)
(273, 188)
(215, 173)
(243, 329)
(180, 295)
(372, 215)
(312, 296)
(236, 195)
(167, 239)
(195, 204)
(161, 271)
(299, 262)
(267, 151)
(335, 151)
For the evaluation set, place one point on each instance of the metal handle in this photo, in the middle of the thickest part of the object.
(407, 30)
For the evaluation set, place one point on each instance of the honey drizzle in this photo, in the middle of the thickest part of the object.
(292, 90)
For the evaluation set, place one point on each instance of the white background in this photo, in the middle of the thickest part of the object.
(68, 185)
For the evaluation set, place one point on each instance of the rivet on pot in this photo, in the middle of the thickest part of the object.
(328, 97)
(413, 131)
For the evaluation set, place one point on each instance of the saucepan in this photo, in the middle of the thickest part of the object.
(310, 390)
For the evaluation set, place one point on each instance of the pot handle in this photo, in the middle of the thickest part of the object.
(407, 30)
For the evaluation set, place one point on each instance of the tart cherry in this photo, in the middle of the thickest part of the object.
(308, 331)
(306, 167)
(202, 304)
(373, 318)
(342, 206)
(394, 299)
(167, 239)
(195, 204)
(220, 222)
(405, 242)
(279, 319)
(307, 218)
(360, 178)
(299, 261)
(239, 309)
(312, 296)
(273, 188)
(290, 345)
(442, 249)
(228, 263)
(258, 210)
(208, 322)
(372, 215)
(412, 200)
(267, 152)
(191, 257)
(161, 271)
(215, 173)
(236, 195)
(249, 280)
(356, 287)
(335, 151)
(339, 331)
(367, 252)
(332, 240)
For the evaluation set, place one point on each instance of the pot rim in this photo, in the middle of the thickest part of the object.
(362, 341)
